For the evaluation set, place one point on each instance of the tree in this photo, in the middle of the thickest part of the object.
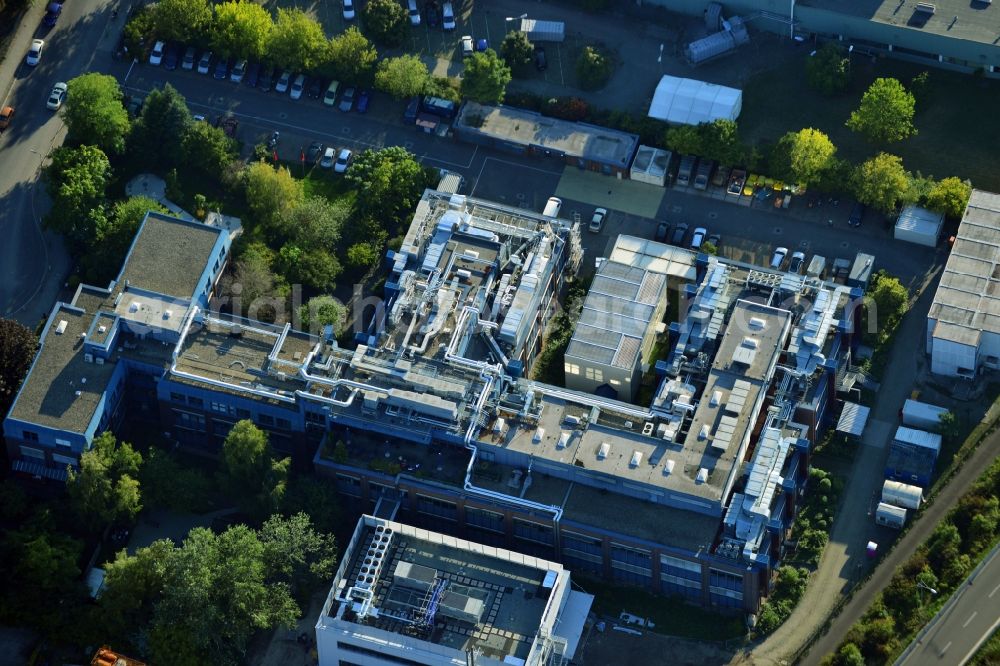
(18, 345)
(182, 20)
(720, 140)
(112, 240)
(518, 52)
(885, 114)
(386, 21)
(43, 560)
(106, 489)
(684, 139)
(362, 256)
(296, 554)
(828, 70)
(315, 223)
(271, 193)
(593, 68)
(309, 266)
(949, 427)
(810, 154)
(252, 279)
(164, 118)
(94, 113)
(316, 498)
(352, 57)
(849, 655)
(402, 77)
(389, 183)
(255, 476)
(297, 41)
(168, 484)
(321, 311)
(207, 149)
(887, 302)
(882, 183)
(241, 29)
(950, 196)
(77, 179)
(486, 77)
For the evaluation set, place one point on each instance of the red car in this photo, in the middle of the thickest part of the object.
(5, 117)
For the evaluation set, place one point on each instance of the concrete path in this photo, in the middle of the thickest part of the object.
(154, 187)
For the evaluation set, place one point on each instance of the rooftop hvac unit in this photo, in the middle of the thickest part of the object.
(61, 326)
(563, 440)
(636, 459)
(603, 452)
(668, 467)
(539, 434)
(702, 475)
(88, 358)
(415, 576)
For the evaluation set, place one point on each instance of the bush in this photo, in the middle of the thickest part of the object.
(593, 68)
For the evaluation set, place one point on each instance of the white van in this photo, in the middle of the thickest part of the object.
(411, 8)
(552, 207)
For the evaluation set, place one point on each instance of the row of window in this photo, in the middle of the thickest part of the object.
(236, 412)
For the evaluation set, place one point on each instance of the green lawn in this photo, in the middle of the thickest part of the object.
(670, 615)
(953, 139)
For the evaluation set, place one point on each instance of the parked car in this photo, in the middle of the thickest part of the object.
(205, 63)
(363, 98)
(411, 9)
(330, 97)
(343, 160)
(721, 176)
(52, 14)
(156, 55)
(467, 47)
(315, 87)
(680, 231)
(56, 97)
(35, 52)
(541, 64)
(795, 265)
(349, 10)
(282, 85)
(686, 170)
(703, 174)
(266, 79)
(736, 181)
(133, 104)
(315, 151)
(252, 75)
(482, 44)
(698, 237)
(347, 99)
(298, 85)
(662, 229)
(222, 69)
(239, 71)
(170, 57)
(779, 257)
(597, 221)
(715, 240)
(750, 185)
(432, 13)
(6, 116)
(857, 213)
(412, 109)
(119, 52)
(190, 57)
(447, 17)
(329, 157)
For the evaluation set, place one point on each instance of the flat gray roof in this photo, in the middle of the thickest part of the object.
(529, 128)
(967, 301)
(169, 255)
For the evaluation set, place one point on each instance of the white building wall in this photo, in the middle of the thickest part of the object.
(583, 375)
(948, 357)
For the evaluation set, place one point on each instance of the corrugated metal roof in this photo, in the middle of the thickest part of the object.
(853, 419)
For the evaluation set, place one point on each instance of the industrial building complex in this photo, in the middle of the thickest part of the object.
(429, 419)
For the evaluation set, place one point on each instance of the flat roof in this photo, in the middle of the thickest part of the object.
(649, 255)
(967, 300)
(530, 128)
(169, 255)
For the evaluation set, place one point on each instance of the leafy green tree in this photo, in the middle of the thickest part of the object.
(386, 21)
(139, 29)
(94, 113)
(849, 655)
(362, 256)
(518, 52)
(352, 57)
(111, 240)
(241, 29)
(882, 183)
(316, 498)
(207, 149)
(252, 279)
(720, 140)
(828, 70)
(77, 179)
(255, 476)
(295, 554)
(43, 559)
(685, 139)
(593, 68)
(106, 489)
(321, 311)
(949, 427)
(389, 183)
(315, 223)
(486, 77)
(132, 584)
(18, 345)
(297, 41)
(309, 266)
(885, 114)
(402, 77)
(271, 193)
(950, 196)
(164, 118)
(182, 20)
(168, 484)
(888, 301)
(810, 155)
(442, 87)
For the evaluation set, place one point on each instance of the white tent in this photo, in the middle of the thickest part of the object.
(691, 102)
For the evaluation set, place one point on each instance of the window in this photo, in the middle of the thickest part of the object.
(580, 551)
(222, 408)
(265, 419)
(284, 423)
(64, 443)
(437, 507)
(349, 485)
(631, 565)
(594, 374)
(378, 655)
(196, 402)
(64, 460)
(487, 520)
(725, 585)
(571, 368)
(177, 397)
(188, 420)
(29, 436)
(29, 452)
(242, 413)
(314, 417)
(533, 532)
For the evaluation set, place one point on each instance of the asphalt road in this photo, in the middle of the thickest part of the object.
(963, 624)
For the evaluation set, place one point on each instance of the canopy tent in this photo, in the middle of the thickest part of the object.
(691, 102)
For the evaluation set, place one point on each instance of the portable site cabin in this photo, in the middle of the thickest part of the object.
(918, 225)
(902, 494)
(922, 415)
(888, 515)
(912, 456)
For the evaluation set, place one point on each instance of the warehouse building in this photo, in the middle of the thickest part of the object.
(963, 325)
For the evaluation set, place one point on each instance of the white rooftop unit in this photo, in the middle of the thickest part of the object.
(888, 515)
(922, 415)
(603, 452)
(902, 494)
(692, 102)
(461, 607)
(415, 576)
(917, 438)
(918, 225)
(650, 165)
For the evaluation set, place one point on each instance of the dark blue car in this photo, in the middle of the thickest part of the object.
(412, 109)
(222, 69)
(52, 15)
(253, 74)
(363, 102)
(170, 57)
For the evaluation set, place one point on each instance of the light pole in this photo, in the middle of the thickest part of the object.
(920, 584)
(514, 18)
(659, 58)
(850, 50)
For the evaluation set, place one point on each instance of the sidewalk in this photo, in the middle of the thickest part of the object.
(20, 40)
